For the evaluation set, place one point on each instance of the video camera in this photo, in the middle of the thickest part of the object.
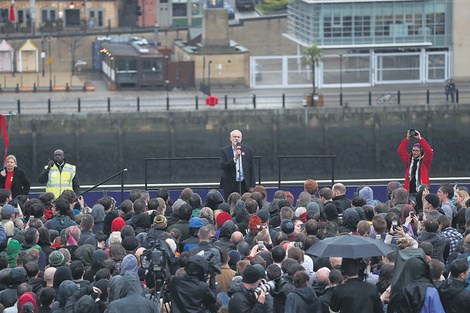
(155, 259)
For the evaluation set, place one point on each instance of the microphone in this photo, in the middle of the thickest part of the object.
(239, 147)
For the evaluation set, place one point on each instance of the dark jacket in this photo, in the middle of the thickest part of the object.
(342, 203)
(228, 181)
(280, 293)
(454, 295)
(303, 300)
(440, 244)
(19, 185)
(190, 293)
(131, 299)
(37, 283)
(81, 301)
(243, 301)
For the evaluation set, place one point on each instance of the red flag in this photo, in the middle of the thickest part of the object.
(3, 125)
(12, 12)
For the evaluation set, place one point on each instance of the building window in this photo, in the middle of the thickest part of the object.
(48, 14)
(23, 16)
(4, 16)
(180, 9)
(95, 18)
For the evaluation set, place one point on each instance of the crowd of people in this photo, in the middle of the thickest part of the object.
(247, 253)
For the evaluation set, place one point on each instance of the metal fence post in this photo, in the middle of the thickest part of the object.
(283, 100)
(79, 105)
(109, 104)
(398, 97)
(225, 102)
(138, 104)
(427, 96)
(48, 105)
(254, 101)
(457, 96)
(19, 106)
(167, 103)
(370, 97)
(197, 103)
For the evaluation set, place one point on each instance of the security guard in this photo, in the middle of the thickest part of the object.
(59, 175)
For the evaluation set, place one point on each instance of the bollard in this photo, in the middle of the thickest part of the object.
(226, 102)
(79, 105)
(340, 99)
(17, 88)
(19, 107)
(398, 97)
(457, 96)
(197, 103)
(138, 104)
(427, 96)
(67, 88)
(50, 85)
(0, 88)
(109, 104)
(167, 103)
(370, 97)
(254, 101)
(283, 100)
(84, 86)
(49, 106)
(34, 87)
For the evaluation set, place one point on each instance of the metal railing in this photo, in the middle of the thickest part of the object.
(146, 160)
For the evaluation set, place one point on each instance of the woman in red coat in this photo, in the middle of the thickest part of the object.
(14, 178)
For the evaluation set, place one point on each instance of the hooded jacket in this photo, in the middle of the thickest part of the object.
(84, 253)
(96, 260)
(454, 296)
(225, 234)
(303, 300)
(350, 220)
(190, 293)
(280, 293)
(131, 297)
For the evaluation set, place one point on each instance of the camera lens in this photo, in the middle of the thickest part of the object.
(412, 132)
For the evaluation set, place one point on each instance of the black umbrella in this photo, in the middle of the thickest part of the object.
(349, 246)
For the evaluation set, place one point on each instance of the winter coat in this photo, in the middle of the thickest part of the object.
(20, 184)
(131, 299)
(279, 294)
(243, 301)
(303, 300)
(454, 295)
(190, 293)
(424, 165)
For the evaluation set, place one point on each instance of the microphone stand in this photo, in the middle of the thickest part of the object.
(239, 175)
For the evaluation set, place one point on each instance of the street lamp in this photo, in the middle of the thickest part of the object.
(49, 39)
(209, 76)
(341, 79)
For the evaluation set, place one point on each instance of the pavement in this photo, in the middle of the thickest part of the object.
(410, 93)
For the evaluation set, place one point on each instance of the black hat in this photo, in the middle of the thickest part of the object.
(263, 215)
(433, 199)
(287, 227)
(251, 275)
(130, 243)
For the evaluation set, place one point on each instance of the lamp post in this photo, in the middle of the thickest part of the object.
(49, 39)
(341, 79)
(209, 76)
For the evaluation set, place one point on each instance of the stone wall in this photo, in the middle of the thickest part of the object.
(364, 142)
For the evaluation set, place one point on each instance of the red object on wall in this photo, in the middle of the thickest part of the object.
(12, 13)
(212, 101)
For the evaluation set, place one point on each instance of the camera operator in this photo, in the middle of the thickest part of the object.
(417, 164)
(244, 299)
(190, 293)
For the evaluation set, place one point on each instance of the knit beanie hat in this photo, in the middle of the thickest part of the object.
(290, 197)
(263, 215)
(433, 199)
(287, 227)
(222, 218)
(251, 274)
(160, 222)
(301, 213)
(393, 185)
(224, 207)
(117, 224)
(195, 222)
(130, 243)
(56, 259)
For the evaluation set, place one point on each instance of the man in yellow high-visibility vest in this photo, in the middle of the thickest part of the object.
(59, 175)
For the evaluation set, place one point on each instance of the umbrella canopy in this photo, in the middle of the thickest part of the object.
(349, 246)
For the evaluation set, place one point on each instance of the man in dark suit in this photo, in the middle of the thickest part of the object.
(237, 163)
